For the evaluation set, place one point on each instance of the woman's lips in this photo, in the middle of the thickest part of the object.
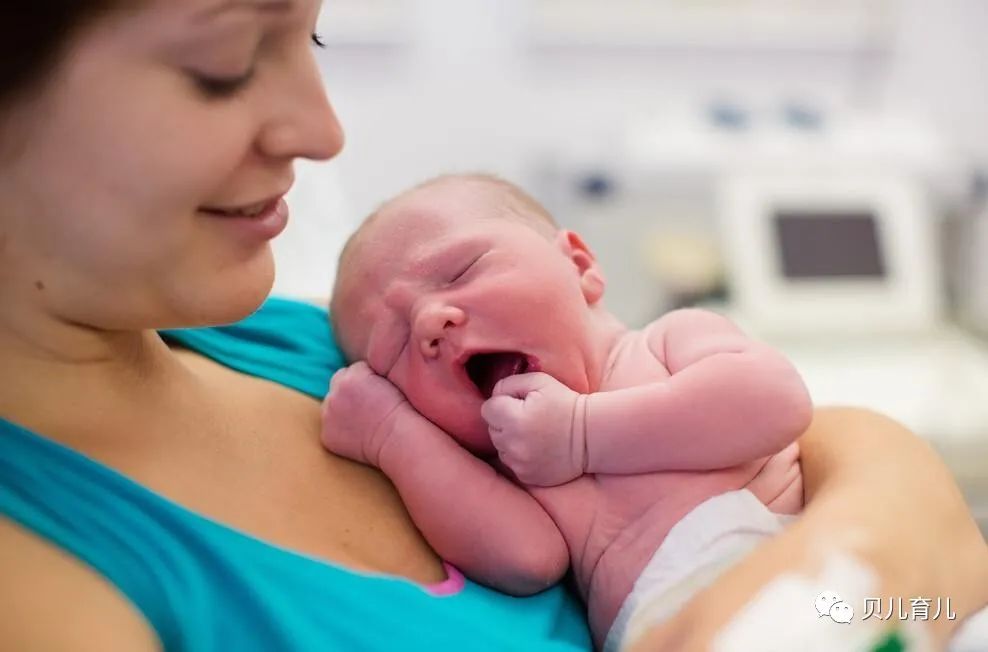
(262, 221)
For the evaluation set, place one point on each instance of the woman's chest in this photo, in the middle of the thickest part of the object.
(246, 453)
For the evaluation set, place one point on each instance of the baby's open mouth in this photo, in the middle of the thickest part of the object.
(487, 369)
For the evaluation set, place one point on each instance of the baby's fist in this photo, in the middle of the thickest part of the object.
(535, 422)
(359, 413)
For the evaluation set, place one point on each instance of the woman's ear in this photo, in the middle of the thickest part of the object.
(591, 278)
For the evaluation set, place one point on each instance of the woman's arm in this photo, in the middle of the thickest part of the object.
(51, 601)
(874, 491)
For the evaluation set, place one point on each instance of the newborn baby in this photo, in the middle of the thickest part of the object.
(528, 430)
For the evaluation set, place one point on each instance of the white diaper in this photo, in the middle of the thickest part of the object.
(707, 541)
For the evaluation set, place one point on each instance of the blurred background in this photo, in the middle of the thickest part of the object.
(816, 169)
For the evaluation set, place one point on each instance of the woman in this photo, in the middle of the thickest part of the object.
(153, 491)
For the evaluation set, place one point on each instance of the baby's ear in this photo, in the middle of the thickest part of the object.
(591, 278)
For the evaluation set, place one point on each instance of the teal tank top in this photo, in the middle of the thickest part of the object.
(205, 586)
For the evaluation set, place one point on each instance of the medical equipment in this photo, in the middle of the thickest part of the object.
(972, 256)
(841, 270)
(830, 251)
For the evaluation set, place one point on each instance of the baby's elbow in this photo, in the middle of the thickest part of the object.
(783, 389)
(792, 407)
(537, 568)
(796, 415)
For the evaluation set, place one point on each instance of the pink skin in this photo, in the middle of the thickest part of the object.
(439, 280)
(538, 426)
(616, 437)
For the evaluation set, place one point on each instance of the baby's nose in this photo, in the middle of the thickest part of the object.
(432, 326)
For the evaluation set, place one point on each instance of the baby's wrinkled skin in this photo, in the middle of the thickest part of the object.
(609, 436)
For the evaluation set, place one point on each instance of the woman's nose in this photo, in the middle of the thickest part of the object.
(433, 323)
(302, 123)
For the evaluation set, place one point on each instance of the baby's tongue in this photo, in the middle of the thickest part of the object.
(498, 366)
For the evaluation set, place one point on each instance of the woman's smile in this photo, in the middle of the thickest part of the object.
(261, 222)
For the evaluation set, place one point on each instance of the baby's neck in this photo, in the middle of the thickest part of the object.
(608, 334)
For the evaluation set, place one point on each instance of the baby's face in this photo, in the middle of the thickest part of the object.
(444, 302)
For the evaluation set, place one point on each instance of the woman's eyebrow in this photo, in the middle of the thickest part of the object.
(268, 6)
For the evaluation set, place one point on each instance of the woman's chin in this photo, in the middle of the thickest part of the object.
(228, 297)
(239, 305)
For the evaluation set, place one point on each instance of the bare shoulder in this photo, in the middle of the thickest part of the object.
(687, 334)
(51, 601)
(691, 319)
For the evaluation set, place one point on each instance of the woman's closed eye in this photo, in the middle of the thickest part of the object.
(220, 86)
(223, 86)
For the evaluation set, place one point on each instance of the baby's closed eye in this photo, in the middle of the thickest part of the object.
(466, 268)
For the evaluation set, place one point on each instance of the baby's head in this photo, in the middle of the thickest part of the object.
(459, 282)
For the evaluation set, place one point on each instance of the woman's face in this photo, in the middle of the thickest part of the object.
(120, 181)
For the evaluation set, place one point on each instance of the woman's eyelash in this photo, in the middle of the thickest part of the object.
(317, 40)
(220, 87)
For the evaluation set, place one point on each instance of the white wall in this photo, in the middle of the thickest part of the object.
(940, 68)
(468, 91)
(460, 87)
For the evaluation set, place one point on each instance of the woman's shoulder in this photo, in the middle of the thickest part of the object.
(52, 601)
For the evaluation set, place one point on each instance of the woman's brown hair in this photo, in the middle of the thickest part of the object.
(34, 35)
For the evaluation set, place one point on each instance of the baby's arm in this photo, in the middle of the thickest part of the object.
(729, 400)
(479, 521)
(494, 531)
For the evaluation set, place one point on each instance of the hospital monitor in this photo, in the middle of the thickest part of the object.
(846, 252)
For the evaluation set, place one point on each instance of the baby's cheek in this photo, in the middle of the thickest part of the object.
(460, 421)
(431, 403)
(477, 442)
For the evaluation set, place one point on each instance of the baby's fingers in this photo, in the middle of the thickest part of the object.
(520, 385)
(500, 411)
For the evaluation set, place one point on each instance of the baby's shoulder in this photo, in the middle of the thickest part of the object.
(686, 325)
(634, 363)
(689, 319)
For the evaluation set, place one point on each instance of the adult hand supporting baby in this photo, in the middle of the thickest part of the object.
(360, 412)
(537, 425)
(876, 492)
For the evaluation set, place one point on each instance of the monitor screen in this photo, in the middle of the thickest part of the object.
(828, 244)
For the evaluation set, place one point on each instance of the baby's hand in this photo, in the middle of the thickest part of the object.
(536, 424)
(360, 412)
